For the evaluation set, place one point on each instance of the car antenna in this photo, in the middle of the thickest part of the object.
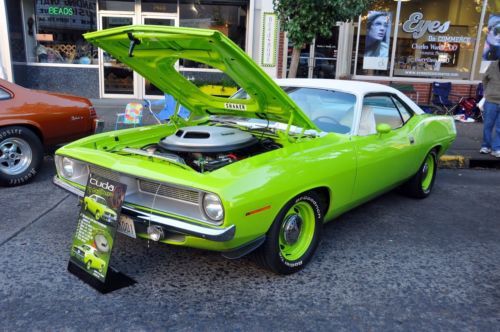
(133, 41)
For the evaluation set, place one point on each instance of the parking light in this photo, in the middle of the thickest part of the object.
(155, 233)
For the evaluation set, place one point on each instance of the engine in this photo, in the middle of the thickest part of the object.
(207, 148)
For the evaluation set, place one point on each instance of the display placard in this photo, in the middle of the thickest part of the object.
(97, 223)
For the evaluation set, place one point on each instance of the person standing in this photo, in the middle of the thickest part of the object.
(491, 110)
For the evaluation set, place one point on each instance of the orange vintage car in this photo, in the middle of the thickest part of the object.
(31, 122)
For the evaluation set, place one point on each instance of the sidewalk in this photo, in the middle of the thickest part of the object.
(463, 153)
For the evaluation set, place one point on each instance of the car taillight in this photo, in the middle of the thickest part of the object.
(93, 117)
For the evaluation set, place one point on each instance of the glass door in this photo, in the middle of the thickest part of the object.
(117, 79)
(318, 59)
(148, 89)
(325, 56)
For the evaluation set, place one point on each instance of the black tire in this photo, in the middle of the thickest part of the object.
(97, 215)
(20, 166)
(270, 254)
(419, 186)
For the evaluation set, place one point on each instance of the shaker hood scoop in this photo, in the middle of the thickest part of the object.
(153, 51)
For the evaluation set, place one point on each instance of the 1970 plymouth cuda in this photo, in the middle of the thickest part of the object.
(99, 208)
(262, 170)
(89, 256)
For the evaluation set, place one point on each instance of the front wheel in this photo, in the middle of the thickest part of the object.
(21, 154)
(294, 235)
(420, 185)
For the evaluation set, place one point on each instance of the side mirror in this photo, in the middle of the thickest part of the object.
(383, 128)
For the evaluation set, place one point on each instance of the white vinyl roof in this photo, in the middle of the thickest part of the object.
(358, 88)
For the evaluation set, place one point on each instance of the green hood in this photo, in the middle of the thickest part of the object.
(157, 50)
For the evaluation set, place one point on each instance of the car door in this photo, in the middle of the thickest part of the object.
(383, 159)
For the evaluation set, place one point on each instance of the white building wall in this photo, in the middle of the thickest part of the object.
(261, 7)
(5, 63)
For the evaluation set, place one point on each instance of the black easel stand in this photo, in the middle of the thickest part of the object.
(114, 279)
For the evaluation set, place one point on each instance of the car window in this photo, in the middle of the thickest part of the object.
(101, 200)
(331, 111)
(403, 109)
(377, 110)
(4, 94)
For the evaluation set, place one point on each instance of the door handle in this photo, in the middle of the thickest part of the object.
(411, 139)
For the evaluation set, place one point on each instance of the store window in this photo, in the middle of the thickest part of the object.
(123, 5)
(375, 39)
(436, 39)
(228, 17)
(54, 29)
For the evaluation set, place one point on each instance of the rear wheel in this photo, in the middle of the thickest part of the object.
(21, 153)
(420, 185)
(97, 215)
(293, 236)
(89, 264)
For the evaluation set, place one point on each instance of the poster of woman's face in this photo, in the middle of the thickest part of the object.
(378, 34)
(491, 50)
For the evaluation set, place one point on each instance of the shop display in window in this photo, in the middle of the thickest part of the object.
(378, 35)
(431, 47)
(228, 17)
(55, 32)
(491, 51)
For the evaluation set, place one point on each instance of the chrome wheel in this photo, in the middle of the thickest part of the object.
(15, 156)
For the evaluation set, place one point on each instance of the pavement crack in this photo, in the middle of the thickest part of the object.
(34, 220)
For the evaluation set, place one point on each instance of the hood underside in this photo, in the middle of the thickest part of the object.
(153, 51)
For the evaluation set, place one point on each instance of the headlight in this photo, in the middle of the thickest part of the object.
(213, 207)
(67, 167)
(72, 169)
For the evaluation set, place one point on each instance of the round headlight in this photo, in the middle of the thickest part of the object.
(67, 167)
(213, 207)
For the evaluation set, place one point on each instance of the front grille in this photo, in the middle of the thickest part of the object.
(105, 173)
(170, 192)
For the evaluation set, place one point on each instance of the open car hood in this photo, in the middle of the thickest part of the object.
(158, 48)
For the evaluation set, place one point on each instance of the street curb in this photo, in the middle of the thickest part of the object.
(452, 161)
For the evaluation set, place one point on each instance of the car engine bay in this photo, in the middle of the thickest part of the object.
(207, 148)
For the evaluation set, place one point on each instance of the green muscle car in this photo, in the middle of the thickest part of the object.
(89, 256)
(98, 207)
(260, 171)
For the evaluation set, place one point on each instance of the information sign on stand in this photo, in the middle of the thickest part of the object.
(95, 235)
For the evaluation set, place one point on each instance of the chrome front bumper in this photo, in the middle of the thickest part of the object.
(174, 225)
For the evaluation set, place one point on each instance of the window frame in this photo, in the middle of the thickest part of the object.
(391, 97)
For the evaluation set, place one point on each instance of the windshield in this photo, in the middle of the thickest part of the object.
(331, 111)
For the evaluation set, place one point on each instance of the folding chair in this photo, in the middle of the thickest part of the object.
(168, 110)
(131, 116)
(440, 98)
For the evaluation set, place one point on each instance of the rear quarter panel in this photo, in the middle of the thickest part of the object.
(431, 131)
